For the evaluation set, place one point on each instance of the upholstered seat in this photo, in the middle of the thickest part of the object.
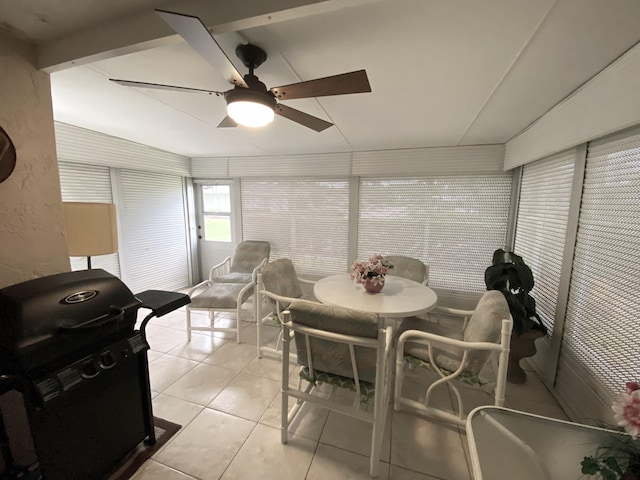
(212, 297)
(221, 295)
(278, 286)
(344, 349)
(246, 257)
(459, 350)
(408, 267)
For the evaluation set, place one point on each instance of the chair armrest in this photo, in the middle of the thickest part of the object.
(192, 290)
(453, 313)
(306, 281)
(220, 269)
(432, 338)
(279, 299)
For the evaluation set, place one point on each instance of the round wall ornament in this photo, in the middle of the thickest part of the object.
(7, 155)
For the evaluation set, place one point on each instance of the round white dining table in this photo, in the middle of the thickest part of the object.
(398, 298)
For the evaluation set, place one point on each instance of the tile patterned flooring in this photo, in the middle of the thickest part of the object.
(228, 403)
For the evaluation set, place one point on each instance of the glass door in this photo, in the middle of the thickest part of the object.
(216, 225)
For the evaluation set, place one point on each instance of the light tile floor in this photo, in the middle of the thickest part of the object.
(228, 403)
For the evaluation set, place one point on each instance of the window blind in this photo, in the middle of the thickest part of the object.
(154, 231)
(543, 212)
(305, 220)
(88, 183)
(600, 351)
(451, 223)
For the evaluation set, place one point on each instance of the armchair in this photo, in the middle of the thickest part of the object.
(410, 268)
(455, 353)
(344, 349)
(278, 286)
(246, 257)
(213, 297)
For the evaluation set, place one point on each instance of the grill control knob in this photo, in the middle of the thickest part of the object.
(89, 370)
(107, 361)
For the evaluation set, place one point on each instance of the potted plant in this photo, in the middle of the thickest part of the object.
(371, 273)
(510, 275)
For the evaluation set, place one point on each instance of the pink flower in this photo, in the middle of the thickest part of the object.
(627, 409)
(632, 387)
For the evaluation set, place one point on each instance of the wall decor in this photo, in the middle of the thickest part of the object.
(7, 155)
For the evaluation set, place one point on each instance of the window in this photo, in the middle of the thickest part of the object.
(216, 210)
(451, 223)
(304, 220)
(600, 351)
(543, 213)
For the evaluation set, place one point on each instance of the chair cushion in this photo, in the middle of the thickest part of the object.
(220, 295)
(248, 255)
(234, 277)
(367, 389)
(280, 277)
(446, 357)
(408, 267)
(468, 377)
(332, 357)
(484, 326)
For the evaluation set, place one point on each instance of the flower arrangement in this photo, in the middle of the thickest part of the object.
(621, 459)
(372, 270)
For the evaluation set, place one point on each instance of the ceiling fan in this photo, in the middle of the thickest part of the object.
(249, 103)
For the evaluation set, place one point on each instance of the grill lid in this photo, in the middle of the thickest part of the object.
(70, 310)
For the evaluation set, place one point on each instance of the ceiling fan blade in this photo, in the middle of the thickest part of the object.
(159, 86)
(314, 123)
(227, 122)
(352, 82)
(199, 37)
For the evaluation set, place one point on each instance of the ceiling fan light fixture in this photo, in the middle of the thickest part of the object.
(250, 114)
(249, 107)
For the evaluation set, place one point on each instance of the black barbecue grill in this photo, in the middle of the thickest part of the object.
(74, 382)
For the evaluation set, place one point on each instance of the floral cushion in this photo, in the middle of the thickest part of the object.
(248, 255)
(220, 295)
(466, 376)
(367, 389)
(329, 356)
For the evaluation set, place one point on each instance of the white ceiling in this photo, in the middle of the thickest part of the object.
(443, 72)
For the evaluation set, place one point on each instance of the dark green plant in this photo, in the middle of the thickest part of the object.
(510, 275)
(618, 461)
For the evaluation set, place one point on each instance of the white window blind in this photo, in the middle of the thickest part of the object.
(543, 212)
(305, 220)
(452, 223)
(153, 231)
(88, 183)
(600, 351)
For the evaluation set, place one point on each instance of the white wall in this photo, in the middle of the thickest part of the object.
(32, 237)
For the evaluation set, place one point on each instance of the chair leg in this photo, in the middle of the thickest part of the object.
(188, 324)
(258, 314)
(238, 322)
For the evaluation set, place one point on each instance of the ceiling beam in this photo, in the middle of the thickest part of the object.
(147, 30)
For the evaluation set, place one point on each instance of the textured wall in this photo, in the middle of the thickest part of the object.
(32, 238)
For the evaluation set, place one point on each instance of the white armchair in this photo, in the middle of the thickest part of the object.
(344, 349)
(246, 257)
(461, 348)
(212, 297)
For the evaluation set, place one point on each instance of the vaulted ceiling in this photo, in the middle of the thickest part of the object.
(442, 72)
